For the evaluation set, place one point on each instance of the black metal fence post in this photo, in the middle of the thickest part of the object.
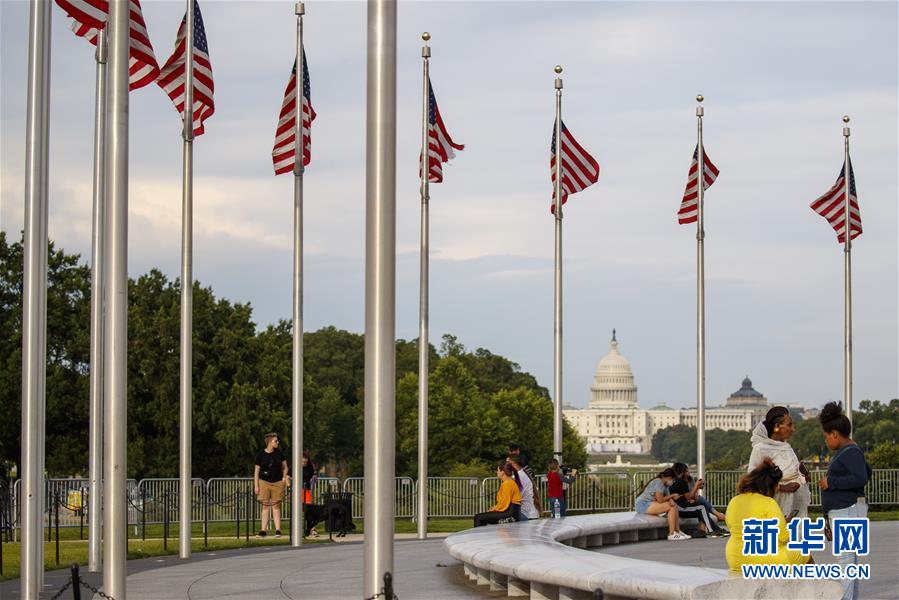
(165, 521)
(56, 517)
(76, 583)
(248, 516)
(388, 585)
(205, 518)
(237, 511)
(594, 495)
(81, 516)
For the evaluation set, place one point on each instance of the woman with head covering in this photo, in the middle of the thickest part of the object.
(770, 440)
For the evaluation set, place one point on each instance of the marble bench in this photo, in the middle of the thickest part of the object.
(545, 560)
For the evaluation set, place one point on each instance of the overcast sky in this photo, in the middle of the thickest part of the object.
(777, 77)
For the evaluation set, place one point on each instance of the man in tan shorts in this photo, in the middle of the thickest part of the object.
(269, 481)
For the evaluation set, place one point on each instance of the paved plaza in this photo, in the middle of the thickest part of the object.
(423, 570)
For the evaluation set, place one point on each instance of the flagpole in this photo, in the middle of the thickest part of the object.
(296, 453)
(380, 296)
(700, 297)
(34, 301)
(557, 316)
(95, 428)
(423, 300)
(115, 344)
(847, 265)
(185, 496)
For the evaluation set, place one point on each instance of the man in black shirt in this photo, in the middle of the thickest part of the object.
(269, 480)
(692, 505)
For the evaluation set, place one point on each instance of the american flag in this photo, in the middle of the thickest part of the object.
(283, 154)
(172, 77)
(440, 144)
(579, 169)
(90, 16)
(832, 206)
(689, 206)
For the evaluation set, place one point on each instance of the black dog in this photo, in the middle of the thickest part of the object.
(334, 513)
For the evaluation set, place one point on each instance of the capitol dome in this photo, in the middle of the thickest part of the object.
(613, 382)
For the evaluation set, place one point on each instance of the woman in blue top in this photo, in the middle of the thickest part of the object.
(843, 489)
(655, 500)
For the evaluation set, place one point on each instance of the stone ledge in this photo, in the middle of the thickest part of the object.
(545, 557)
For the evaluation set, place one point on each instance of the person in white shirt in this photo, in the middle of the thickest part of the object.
(528, 491)
(770, 440)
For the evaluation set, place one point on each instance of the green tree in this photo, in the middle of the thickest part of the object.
(68, 357)
(884, 455)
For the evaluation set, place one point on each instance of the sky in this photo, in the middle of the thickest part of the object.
(777, 78)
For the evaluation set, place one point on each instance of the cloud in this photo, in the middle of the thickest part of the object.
(777, 78)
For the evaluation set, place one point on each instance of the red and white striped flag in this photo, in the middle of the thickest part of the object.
(90, 16)
(172, 77)
(440, 145)
(284, 151)
(579, 169)
(832, 206)
(689, 206)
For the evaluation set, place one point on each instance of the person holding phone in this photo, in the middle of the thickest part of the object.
(690, 499)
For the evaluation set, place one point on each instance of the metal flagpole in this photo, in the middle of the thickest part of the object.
(847, 266)
(34, 305)
(557, 317)
(423, 347)
(185, 497)
(296, 454)
(700, 298)
(95, 428)
(115, 345)
(380, 295)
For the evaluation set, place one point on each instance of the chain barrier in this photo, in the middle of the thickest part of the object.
(76, 579)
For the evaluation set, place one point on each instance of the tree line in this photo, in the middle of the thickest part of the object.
(875, 427)
(479, 402)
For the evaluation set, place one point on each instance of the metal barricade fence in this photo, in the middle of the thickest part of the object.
(883, 487)
(450, 497)
(404, 504)
(155, 497)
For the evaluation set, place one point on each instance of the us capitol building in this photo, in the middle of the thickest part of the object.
(614, 422)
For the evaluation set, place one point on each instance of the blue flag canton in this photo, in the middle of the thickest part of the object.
(199, 31)
(851, 178)
(807, 535)
(307, 88)
(760, 537)
(552, 146)
(851, 536)
(432, 104)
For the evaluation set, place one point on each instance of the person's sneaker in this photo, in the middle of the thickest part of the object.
(678, 535)
(277, 533)
(717, 533)
(261, 534)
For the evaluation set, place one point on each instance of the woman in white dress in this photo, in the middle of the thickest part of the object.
(769, 440)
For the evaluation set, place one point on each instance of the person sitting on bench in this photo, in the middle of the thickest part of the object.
(508, 498)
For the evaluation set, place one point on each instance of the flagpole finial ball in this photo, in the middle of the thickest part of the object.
(426, 36)
(558, 69)
(845, 118)
(700, 97)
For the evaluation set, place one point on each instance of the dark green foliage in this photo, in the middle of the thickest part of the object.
(479, 402)
(723, 449)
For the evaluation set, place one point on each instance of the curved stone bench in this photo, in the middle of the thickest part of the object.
(544, 560)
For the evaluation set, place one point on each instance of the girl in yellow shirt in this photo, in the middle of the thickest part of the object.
(508, 498)
(755, 500)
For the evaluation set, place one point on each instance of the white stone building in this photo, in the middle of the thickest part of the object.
(614, 421)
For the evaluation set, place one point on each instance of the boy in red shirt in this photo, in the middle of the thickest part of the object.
(554, 490)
